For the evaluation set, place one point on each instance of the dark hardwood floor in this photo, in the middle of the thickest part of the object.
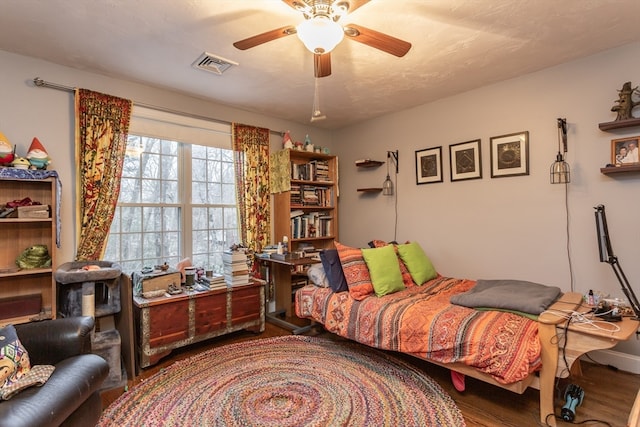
(609, 394)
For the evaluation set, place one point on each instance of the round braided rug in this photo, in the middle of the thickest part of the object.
(286, 381)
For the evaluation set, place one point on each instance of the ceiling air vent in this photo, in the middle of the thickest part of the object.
(212, 63)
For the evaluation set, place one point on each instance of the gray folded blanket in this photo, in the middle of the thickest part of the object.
(516, 295)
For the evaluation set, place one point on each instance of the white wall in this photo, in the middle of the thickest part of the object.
(27, 111)
(508, 227)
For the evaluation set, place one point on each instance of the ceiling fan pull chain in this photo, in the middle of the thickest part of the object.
(316, 114)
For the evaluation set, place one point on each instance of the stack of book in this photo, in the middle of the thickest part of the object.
(217, 281)
(235, 268)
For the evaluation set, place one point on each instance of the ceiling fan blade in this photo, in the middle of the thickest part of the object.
(265, 37)
(322, 64)
(375, 39)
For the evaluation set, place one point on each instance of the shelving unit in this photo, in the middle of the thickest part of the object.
(369, 164)
(21, 288)
(308, 213)
(616, 125)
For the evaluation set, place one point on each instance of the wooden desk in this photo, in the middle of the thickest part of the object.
(280, 276)
(580, 338)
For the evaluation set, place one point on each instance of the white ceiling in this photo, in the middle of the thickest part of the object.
(457, 45)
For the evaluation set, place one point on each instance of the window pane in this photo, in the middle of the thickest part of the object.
(131, 219)
(129, 190)
(170, 192)
(150, 191)
(150, 165)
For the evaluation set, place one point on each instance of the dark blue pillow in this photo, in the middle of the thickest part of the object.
(333, 270)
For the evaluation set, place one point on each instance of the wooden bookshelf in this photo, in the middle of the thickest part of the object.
(19, 287)
(308, 212)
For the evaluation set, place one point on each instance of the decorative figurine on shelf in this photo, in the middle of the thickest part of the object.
(7, 152)
(625, 104)
(286, 140)
(37, 155)
(20, 163)
(36, 256)
(308, 146)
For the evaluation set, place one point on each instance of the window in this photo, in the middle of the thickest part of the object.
(176, 200)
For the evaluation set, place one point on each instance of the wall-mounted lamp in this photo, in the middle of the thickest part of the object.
(560, 173)
(387, 185)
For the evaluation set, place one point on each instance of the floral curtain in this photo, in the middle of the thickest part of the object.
(102, 125)
(251, 152)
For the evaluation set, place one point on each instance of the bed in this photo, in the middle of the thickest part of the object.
(500, 347)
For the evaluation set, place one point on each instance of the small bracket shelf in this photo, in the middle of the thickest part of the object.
(369, 190)
(619, 124)
(368, 163)
(610, 170)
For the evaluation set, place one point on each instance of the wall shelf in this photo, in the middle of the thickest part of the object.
(368, 163)
(610, 170)
(369, 190)
(619, 124)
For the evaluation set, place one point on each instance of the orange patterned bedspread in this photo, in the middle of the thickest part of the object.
(420, 321)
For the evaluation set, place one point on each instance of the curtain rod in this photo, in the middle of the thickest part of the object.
(42, 83)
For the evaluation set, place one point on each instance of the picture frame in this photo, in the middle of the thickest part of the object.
(624, 151)
(510, 154)
(429, 165)
(465, 160)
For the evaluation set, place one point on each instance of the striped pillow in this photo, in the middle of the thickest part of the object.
(355, 271)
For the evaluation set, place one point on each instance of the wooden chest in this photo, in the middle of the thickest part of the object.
(165, 323)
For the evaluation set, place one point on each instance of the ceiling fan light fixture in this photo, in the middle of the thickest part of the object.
(320, 34)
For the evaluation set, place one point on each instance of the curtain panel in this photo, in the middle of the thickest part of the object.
(251, 156)
(102, 125)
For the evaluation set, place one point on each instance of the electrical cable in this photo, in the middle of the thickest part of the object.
(395, 222)
(566, 209)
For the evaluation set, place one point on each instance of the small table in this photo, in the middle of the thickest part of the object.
(280, 270)
(580, 339)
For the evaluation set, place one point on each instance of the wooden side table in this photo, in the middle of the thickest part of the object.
(579, 339)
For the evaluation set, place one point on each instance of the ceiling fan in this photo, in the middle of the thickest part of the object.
(321, 32)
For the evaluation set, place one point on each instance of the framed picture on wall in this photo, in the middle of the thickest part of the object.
(510, 154)
(624, 151)
(429, 165)
(465, 160)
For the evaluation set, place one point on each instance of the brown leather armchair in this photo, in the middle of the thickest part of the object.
(71, 396)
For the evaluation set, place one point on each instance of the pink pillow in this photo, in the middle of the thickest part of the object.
(355, 271)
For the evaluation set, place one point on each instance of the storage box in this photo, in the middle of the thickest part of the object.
(33, 211)
(156, 283)
(22, 305)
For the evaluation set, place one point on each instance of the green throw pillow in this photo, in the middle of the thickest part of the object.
(417, 262)
(384, 270)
